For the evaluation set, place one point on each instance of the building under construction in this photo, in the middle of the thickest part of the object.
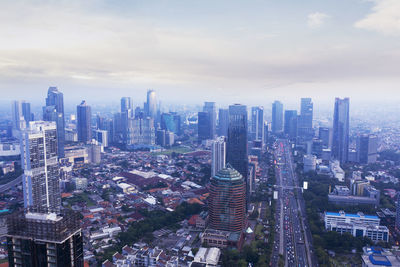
(44, 239)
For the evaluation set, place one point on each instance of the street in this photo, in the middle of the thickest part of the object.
(293, 238)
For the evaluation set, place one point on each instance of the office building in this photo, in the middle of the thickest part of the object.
(277, 117)
(257, 123)
(203, 126)
(317, 147)
(358, 225)
(18, 120)
(325, 135)
(367, 148)
(236, 146)
(39, 161)
(290, 125)
(101, 136)
(141, 131)
(227, 201)
(94, 153)
(218, 149)
(171, 122)
(84, 116)
(26, 112)
(151, 105)
(160, 137)
(304, 125)
(126, 104)
(210, 108)
(340, 142)
(54, 111)
(223, 122)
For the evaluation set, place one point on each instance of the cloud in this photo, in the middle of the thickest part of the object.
(317, 19)
(384, 18)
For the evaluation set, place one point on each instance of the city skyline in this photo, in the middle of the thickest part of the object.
(342, 49)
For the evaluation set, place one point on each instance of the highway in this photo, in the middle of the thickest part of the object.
(293, 238)
(11, 184)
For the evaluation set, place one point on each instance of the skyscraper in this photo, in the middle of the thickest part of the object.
(218, 150)
(43, 234)
(257, 123)
(277, 117)
(151, 104)
(290, 126)
(171, 122)
(305, 130)
(54, 111)
(40, 163)
(223, 122)
(325, 134)
(18, 119)
(367, 148)
(26, 111)
(141, 131)
(126, 104)
(340, 142)
(84, 116)
(209, 107)
(227, 200)
(203, 126)
(237, 139)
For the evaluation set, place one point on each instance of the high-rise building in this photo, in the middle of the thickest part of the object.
(218, 150)
(325, 135)
(101, 136)
(209, 107)
(54, 111)
(141, 131)
(277, 117)
(367, 148)
(290, 126)
(18, 119)
(223, 122)
(203, 126)
(126, 104)
(227, 200)
(26, 112)
(305, 129)
(340, 142)
(39, 161)
(171, 122)
(236, 146)
(257, 123)
(84, 116)
(151, 104)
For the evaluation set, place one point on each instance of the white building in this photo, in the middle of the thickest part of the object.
(218, 149)
(336, 170)
(358, 225)
(207, 257)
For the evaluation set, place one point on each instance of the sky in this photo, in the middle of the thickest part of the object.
(191, 51)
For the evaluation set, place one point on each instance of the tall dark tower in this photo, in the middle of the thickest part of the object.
(277, 117)
(236, 146)
(305, 130)
(290, 126)
(227, 200)
(209, 107)
(223, 122)
(54, 111)
(340, 142)
(84, 116)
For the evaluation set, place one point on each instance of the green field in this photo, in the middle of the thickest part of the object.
(179, 149)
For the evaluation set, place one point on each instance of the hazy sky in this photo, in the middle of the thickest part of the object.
(190, 51)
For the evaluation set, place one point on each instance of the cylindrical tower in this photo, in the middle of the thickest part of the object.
(227, 200)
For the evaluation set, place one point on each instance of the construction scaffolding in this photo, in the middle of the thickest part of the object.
(55, 230)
